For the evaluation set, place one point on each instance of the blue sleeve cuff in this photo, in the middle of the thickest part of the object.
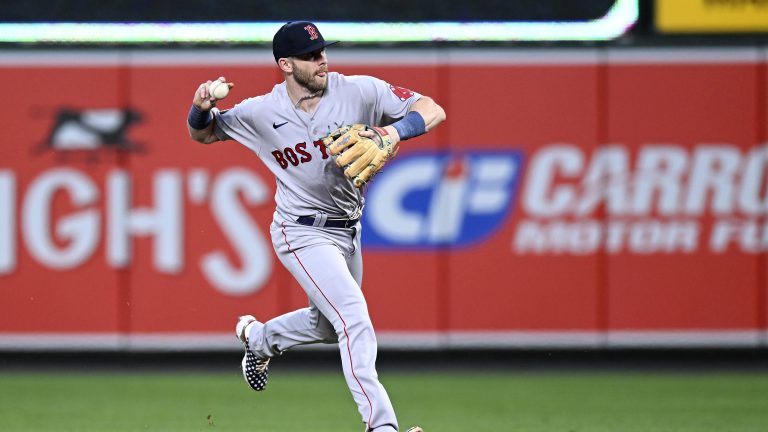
(410, 126)
(199, 119)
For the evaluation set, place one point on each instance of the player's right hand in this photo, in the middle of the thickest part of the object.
(203, 98)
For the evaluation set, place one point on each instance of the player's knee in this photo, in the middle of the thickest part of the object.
(360, 327)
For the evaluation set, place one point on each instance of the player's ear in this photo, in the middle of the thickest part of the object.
(285, 65)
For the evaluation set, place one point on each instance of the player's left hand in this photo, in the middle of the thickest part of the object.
(362, 151)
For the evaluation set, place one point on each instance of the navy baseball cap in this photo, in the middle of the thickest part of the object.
(296, 38)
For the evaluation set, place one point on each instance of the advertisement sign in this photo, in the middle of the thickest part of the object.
(586, 201)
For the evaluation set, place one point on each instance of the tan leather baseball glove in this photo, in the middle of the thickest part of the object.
(361, 156)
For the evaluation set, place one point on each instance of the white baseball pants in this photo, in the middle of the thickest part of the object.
(328, 265)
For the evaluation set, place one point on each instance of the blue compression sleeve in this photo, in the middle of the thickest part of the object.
(199, 119)
(410, 126)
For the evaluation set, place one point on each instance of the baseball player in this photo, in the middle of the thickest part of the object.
(323, 135)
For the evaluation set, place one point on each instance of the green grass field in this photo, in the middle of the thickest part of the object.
(440, 402)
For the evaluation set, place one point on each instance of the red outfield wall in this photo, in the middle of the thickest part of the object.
(573, 197)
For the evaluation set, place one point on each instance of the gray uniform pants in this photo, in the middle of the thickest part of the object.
(327, 263)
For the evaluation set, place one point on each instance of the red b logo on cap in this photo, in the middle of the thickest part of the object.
(312, 32)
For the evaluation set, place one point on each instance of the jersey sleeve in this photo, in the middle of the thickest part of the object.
(390, 102)
(234, 123)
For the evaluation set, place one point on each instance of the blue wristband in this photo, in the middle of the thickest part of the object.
(410, 126)
(199, 119)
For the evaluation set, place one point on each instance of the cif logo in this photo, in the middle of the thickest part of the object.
(433, 199)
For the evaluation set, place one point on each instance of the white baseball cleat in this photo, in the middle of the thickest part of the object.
(255, 370)
(415, 429)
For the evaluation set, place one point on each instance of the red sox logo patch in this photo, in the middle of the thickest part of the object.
(401, 92)
(312, 32)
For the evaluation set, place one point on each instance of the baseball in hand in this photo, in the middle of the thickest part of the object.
(218, 89)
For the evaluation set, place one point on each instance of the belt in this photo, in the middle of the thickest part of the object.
(328, 223)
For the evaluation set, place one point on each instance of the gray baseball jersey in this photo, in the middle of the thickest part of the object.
(288, 140)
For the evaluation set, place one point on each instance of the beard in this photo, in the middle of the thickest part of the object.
(308, 80)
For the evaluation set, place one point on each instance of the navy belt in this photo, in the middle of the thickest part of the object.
(329, 223)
